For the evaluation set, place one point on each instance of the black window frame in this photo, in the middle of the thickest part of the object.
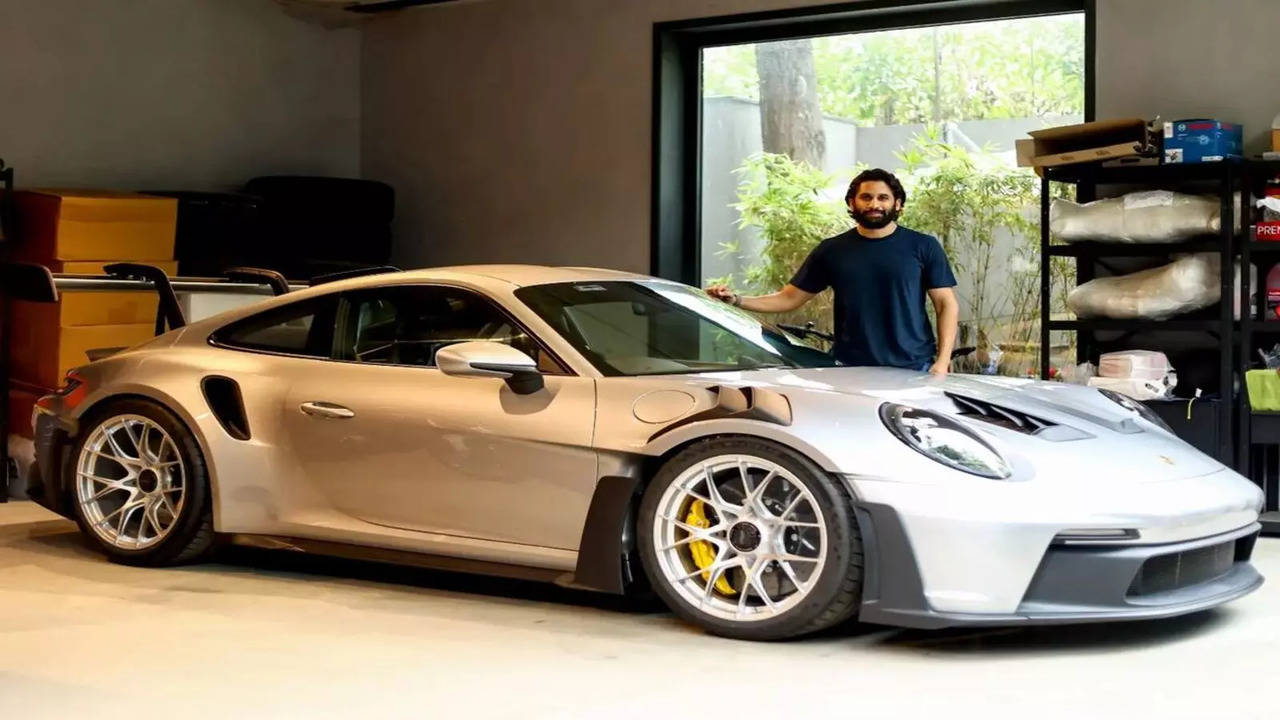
(676, 212)
(333, 299)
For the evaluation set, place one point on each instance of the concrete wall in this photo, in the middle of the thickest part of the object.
(519, 130)
(1188, 59)
(173, 94)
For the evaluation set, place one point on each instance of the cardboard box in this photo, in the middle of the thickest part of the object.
(94, 267)
(41, 353)
(1193, 141)
(91, 225)
(1086, 142)
(77, 308)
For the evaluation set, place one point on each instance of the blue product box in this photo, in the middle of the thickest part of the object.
(1193, 141)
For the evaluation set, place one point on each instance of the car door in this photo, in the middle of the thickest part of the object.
(390, 439)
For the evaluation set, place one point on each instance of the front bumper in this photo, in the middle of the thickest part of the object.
(1072, 584)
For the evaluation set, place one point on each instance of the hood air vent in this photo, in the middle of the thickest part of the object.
(1004, 417)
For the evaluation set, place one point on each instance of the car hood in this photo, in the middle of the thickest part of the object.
(837, 407)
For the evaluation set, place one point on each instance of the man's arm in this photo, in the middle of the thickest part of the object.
(947, 308)
(787, 299)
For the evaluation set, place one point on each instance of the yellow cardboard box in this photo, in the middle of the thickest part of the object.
(42, 353)
(76, 308)
(94, 267)
(94, 225)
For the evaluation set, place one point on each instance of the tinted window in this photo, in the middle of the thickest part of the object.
(646, 328)
(407, 325)
(302, 328)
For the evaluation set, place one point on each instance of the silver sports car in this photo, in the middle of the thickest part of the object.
(612, 431)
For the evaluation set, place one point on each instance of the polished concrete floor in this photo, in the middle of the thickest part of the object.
(261, 634)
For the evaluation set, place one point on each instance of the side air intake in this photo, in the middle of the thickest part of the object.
(223, 396)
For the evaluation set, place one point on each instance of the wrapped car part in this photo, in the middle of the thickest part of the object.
(1140, 217)
(1189, 283)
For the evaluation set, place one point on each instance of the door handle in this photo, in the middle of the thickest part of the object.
(326, 410)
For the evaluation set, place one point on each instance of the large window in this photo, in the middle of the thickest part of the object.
(783, 124)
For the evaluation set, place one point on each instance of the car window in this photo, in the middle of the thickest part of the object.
(408, 324)
(302, 328)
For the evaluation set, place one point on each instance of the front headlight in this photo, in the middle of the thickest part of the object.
(1129, 403)
(944, 440)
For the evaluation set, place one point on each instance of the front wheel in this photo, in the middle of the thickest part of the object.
(751, 540)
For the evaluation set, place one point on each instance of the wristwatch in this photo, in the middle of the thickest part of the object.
(737, 300)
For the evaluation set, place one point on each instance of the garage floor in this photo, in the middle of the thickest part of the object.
(263, 634)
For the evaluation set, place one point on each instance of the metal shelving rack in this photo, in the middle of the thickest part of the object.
(1235, 338)
(1258, 433)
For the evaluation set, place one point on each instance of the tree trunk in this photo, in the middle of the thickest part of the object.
(790, 119)
(937, 79)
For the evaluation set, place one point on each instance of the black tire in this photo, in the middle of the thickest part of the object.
(836, 595)
(191, 535)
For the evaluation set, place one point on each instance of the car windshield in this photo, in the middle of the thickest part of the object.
(657, 328)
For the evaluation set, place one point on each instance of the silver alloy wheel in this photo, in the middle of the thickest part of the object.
(130, 482)
(764, 533)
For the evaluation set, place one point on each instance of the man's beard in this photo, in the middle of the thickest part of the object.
(874, 222)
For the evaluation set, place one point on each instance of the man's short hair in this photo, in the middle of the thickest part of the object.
(877, 175)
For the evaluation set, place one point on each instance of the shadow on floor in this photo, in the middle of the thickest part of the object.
(283, 561)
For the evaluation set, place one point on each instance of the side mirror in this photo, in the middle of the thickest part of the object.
(491, 359)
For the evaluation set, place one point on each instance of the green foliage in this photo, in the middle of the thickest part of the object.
(791, 205)
(968, 200)
(1003, 69)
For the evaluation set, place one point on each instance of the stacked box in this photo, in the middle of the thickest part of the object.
(73, 231)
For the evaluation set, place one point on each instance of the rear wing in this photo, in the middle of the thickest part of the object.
(35, 283)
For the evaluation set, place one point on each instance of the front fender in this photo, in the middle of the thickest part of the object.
(667, 441)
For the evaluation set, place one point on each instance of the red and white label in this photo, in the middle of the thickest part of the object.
(1267, 230)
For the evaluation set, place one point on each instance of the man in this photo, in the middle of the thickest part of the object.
(880, 273)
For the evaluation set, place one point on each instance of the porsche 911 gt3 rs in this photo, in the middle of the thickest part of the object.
(606, 430)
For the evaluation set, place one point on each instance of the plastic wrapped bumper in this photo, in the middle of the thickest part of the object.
(1072, 584)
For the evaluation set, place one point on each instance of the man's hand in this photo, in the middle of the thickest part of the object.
(721, 293)
(787, 299)
(940, 368)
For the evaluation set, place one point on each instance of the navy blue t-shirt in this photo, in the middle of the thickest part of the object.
(880, 286)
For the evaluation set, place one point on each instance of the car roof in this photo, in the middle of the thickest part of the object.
(522, 275)
(495, 278)
(517, 275)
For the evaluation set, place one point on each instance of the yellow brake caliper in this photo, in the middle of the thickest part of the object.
(704, 553)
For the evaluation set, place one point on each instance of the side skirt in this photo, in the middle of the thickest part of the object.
(397, 557)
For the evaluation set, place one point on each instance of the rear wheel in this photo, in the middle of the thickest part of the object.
(139, 485)
(751, 540)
